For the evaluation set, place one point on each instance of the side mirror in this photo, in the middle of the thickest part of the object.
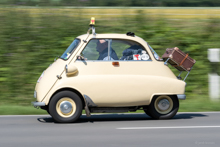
(80, 57)
(71, 70)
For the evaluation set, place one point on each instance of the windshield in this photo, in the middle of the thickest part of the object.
(155, 54)
(70, 49)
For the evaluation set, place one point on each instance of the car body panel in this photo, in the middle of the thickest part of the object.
(132, 83)
(49, 78)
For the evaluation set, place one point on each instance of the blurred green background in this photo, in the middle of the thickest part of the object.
(31, 37)
(154, 3)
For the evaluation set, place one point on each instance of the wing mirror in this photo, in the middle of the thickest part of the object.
(79, 57)
(71, 70)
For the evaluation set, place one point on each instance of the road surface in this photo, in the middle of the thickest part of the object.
(112, 130)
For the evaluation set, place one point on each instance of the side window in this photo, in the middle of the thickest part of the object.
(114, 49)
(129, 50)
(89, 52)
(99, 49)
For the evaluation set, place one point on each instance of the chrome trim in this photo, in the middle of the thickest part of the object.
(109, 45)
(59, 77)
(66, 107)
(35, 94)
(73, 49)
(93, 31)
(181, 96)
(165, 63)
(37, 104)
(180, 73)
(66, 68)
(187, 75)
(90, 28)
(163, 104)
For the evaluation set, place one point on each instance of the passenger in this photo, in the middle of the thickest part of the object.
(102, 48)
(129, 52)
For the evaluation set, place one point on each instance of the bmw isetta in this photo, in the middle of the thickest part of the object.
(110, 73)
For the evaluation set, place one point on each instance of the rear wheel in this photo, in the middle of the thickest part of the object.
(65, 107)
(163, 107)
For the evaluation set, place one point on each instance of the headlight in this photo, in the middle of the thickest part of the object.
(35, 94)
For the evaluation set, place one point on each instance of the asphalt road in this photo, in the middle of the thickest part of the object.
(115, 130)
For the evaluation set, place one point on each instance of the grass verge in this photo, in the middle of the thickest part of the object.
(20, 110)
(199, 104)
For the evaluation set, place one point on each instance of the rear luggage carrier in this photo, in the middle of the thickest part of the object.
(178, 59)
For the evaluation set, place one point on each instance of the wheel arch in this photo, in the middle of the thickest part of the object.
(156, 95)
(69, 89)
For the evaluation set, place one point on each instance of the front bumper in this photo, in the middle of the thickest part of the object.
(38, 104)
(181, 96)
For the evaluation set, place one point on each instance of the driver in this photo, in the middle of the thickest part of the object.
(102, 48)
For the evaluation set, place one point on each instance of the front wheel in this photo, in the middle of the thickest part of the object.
(65, 107)
(163, 107)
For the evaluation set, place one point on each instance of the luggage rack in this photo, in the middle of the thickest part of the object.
(177, 65)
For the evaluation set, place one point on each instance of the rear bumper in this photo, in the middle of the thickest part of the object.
(181, 96)
(38, 104)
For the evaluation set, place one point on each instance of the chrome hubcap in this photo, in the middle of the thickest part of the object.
(65, 107)
(163, 104)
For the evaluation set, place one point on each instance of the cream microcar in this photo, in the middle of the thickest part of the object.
(125, 75)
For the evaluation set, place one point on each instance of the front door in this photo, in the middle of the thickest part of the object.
(115, 72)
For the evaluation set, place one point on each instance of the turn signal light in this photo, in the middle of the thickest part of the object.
(115, 63)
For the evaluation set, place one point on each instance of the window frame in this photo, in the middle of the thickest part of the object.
(112, 39)
(72, 50)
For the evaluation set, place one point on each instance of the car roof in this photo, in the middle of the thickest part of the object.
(115, 36)
(112, 36)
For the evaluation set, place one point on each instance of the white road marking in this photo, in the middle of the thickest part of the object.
(46, 115)
(198, 112)
(177, 127)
